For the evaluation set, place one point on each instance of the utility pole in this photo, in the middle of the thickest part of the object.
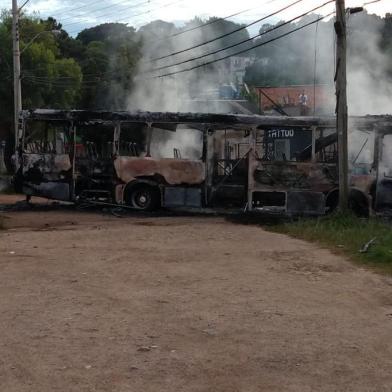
(341, 102)
(16, 56)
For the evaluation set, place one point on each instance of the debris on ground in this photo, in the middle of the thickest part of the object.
(366, 246)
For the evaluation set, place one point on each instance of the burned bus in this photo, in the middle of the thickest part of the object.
(149, 160)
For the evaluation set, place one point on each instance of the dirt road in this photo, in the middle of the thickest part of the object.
(167, 304)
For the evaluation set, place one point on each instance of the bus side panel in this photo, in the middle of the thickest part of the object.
(173, 171)
(47, 175)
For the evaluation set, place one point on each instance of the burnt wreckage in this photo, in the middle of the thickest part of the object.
(147, 160)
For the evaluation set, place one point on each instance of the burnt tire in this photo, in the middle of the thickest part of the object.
(332, 201)
(143, 197)
(358, 203)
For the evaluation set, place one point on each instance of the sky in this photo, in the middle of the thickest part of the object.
(77, 15)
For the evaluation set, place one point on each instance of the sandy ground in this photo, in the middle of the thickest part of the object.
(91, 302)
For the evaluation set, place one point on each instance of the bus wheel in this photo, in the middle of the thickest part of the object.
(143, 197)
(332, 201)
(358, 203)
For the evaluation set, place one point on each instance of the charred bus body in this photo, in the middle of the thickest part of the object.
(150, 160)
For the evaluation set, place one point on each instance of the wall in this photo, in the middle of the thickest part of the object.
(288, 97)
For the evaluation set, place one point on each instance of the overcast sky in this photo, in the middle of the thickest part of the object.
(76, 15)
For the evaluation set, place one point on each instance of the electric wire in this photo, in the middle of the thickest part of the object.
(162, 6)
(315, 69)
(93, 3)
(186, 30)
(222, 49)
(265, 17)
(371, 2)
(43, 80)
(121, 4)
(210, 22)
(80, 18)
(231, 32)
(129, 16)
(244, 50)
(23, 5)
(241, 42)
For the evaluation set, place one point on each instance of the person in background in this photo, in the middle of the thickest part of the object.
(303, 103)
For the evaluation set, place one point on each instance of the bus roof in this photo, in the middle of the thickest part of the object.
(206, 120)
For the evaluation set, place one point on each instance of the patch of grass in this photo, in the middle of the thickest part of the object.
(8, 191)
(347, 234)
(6, 188)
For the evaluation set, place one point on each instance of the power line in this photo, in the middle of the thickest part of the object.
(58, 80)
(241, 42)
(82, 17)
(265, 17)
(130, 16)
(212, 22)
(222, 49)
(26, 1)
(230, 33)
(68, 83)
(121, 4)
(111, 6)
(86, 84)
(65, 79)
(183, 31)
(162, 6)
(315, 69)
(67, 10)
(371, 2)
(245, 50)
(180, 32)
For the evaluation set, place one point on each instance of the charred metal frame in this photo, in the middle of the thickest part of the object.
(182, 182)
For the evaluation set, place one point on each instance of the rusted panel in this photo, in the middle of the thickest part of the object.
(182, 197)
(46, 175)
(50, 164)
(290, 176)
(119, 193)
(174, 171)
(51, 190)
(364, 182)
(305, 203)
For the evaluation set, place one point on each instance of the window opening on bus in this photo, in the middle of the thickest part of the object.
(184, 143)
(132, 140)
(94, 141)
(46, 137)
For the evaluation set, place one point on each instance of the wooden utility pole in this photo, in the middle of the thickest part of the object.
(341, 102)
(16, 56)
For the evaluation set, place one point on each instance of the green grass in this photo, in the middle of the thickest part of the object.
(346, 233)
(5, 186)
(8, 191)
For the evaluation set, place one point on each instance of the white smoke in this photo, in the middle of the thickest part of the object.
(361, 146)
(186, 142)
(386, 157)
(369, 88)
(177, 92)
(183, 92)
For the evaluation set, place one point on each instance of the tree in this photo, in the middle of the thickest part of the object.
(6, 72)
(48, 80)
(109, 63)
